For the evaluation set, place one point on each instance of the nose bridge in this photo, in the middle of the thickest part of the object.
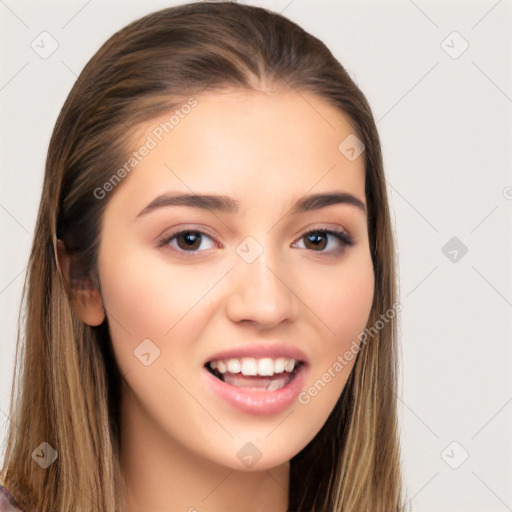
(263, 272)
(260, 291)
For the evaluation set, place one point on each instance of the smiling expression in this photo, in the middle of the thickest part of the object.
(242, 274)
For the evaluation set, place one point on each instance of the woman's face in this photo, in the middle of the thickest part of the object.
(243, 282)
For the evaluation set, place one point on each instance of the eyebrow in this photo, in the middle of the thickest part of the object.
(229, 205)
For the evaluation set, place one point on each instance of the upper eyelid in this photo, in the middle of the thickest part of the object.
(204, 231)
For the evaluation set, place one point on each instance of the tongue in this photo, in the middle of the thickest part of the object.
(257, 382)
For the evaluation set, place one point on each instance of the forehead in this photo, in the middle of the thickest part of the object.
(253, 145)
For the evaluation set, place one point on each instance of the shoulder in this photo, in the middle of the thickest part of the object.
(7, 501)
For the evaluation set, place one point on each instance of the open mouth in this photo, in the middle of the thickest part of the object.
(266, 374)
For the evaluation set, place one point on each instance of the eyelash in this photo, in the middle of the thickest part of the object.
(340, 235)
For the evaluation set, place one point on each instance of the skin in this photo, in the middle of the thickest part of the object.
(265, 149)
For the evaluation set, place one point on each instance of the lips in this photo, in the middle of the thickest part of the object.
(255, 395)
(257, 379)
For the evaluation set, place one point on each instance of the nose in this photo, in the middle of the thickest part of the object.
(262, 293)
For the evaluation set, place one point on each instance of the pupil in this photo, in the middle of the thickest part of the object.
(191, 239)
(317, 236)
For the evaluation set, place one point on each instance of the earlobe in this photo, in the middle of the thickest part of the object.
(84, 295)
(88, 305)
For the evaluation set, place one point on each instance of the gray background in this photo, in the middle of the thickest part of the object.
(444, 116)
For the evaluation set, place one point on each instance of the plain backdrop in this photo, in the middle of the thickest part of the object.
(438, 78)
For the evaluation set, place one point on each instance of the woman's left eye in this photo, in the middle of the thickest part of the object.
(319, 239)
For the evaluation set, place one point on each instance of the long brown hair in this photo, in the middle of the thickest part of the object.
(66, 391)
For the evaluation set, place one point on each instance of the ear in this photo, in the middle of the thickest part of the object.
(85, 296)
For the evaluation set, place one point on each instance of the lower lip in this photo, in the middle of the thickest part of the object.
(254, 401)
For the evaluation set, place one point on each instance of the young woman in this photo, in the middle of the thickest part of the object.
(211, 300)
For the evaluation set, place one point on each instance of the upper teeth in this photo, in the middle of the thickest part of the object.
(251, 366)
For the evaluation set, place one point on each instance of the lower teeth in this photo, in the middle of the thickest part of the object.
(275, 383)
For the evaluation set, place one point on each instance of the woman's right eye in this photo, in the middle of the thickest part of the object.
(187, 241)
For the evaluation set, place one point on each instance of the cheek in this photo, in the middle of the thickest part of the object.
(148, 298)
(350, 306)
(134, 302)
(340, 298)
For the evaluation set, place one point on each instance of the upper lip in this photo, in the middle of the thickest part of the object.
(260, 350)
